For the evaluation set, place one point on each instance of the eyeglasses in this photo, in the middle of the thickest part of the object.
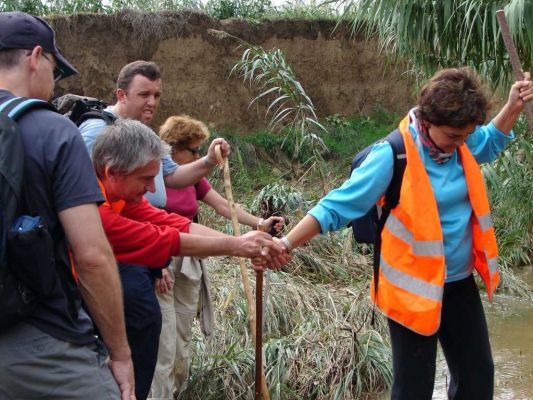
(195, 151)
(58, 73)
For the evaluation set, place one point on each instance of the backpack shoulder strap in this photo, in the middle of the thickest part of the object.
(392, 195)
(18, 106)
(104, 115)
(12, 156)
(12, 151)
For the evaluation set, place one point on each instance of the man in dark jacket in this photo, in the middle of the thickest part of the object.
(54, 353)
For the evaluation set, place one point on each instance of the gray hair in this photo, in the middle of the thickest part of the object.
(125, 146)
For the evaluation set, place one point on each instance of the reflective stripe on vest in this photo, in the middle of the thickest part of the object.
(410, 283)
(420, 247)
(484, 239)
(412, 263)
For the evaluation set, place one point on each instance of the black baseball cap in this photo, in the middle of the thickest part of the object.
(19, 30)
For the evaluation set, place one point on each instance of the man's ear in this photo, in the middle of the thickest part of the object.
(110, 174)
(121, 95)
(35, 57)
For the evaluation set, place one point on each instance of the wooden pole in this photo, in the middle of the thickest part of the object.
(223, 162)
(515, 61)
(259, 338)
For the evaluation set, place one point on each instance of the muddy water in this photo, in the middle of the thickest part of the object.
(511, 333)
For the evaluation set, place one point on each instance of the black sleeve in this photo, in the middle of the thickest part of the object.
(67, 161)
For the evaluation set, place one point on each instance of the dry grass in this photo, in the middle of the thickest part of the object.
(318, 342)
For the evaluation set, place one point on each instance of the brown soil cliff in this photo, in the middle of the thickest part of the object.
(341, 74)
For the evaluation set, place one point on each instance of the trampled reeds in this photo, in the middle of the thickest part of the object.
(318, 342)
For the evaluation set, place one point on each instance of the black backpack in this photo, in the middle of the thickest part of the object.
(367, 229)
(17, 299)
(81, 108)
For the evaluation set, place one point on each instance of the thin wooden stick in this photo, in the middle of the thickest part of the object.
(223, 162)
(515, 61)
(259, 337)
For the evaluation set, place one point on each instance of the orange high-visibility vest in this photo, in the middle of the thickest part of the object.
(412, 263)
(117, 206)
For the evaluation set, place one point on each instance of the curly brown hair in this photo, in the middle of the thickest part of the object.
(454, 97)
(180, 131)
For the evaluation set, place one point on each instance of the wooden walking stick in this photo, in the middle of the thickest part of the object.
(515, 61)
(259, 372)
(223, 162)
(259, 312)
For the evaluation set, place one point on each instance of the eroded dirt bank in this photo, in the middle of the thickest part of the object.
(342, 75)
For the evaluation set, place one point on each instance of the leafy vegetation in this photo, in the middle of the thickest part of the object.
(290, 108)
(438, 34)
(510, 182)
(252, 9)
(220, 9)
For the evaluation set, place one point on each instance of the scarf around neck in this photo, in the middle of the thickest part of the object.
(435, 152)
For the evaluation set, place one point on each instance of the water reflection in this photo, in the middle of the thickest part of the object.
(510, 326)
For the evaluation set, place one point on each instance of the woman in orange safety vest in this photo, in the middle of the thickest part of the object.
(438, 234)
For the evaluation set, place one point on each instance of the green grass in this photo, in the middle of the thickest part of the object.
(253, 10)
(347, 136)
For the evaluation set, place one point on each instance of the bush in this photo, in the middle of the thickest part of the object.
(509, 183)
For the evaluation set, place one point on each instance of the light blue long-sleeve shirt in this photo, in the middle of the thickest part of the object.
(370, 180)
(92, 128)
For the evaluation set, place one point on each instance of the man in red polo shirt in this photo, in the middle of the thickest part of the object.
(126, 160)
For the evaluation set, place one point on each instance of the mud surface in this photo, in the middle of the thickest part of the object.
(341, 74)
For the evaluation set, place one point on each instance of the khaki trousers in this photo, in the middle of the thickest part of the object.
(178, 309)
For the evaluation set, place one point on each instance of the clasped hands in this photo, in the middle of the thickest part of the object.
(268, 252)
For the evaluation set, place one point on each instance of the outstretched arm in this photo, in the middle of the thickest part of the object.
(204, 241)
(304, 231)
(221, 206)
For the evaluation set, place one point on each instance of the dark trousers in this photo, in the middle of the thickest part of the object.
(143, 323)
(464, 338)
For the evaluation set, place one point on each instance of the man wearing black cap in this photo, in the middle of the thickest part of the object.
(54, 353)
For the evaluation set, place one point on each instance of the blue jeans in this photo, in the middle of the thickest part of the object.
(143, 323)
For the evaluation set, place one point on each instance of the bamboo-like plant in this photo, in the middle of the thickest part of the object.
(438, 34)
(289, 107)
(509, 181)
(279, 198)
